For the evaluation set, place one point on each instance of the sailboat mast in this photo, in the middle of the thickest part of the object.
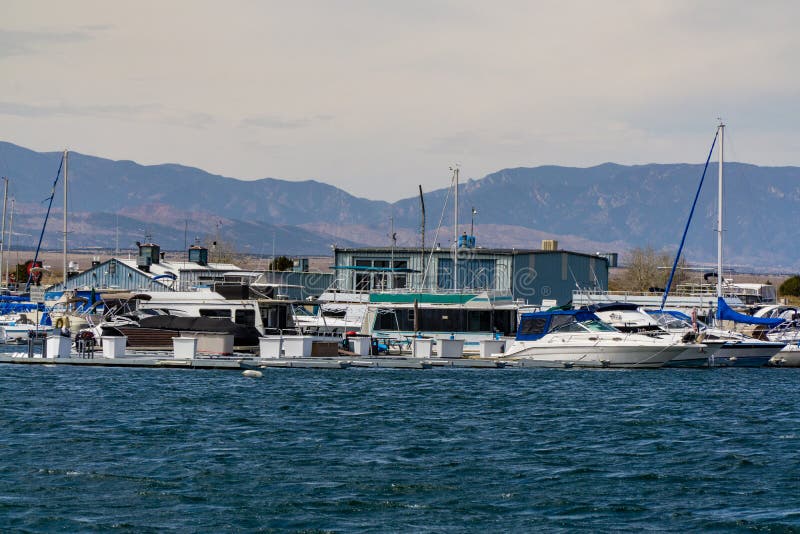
(394, 240)
(66, 182)
(455, 232)
(10, 233)
(422, 230)
(719, 211)
(3, 230)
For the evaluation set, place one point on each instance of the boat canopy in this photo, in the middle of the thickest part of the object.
(726, 313)
(125, 296)
(611, 306)
(534, 326)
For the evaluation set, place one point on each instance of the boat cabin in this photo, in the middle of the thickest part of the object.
(534, 326)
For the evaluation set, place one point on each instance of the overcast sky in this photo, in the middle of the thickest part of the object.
(376, 97)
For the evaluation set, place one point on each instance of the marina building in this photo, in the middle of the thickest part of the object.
(151, 271)
(533, 276)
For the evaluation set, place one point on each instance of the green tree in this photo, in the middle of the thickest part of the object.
(281, 263)
(790, 287)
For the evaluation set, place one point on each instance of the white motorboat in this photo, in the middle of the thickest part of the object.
(21, 332)
(630, 318)
(787, 332)
(578, 338)
(789, 356)
(732, 349)
(678, 323)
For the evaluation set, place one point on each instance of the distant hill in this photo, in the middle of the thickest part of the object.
(643, 205)
(604, 208)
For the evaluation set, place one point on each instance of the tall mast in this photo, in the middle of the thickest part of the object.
(394, 240)
(66, 181)
(3, 231)
(719, 211)
(10, 233)
(422, 229)
(455, 231)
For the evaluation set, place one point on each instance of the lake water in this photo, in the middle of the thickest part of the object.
(370, 450)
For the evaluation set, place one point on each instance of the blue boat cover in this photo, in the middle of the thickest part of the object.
(533, 326)
(9, 305)
(726, 313)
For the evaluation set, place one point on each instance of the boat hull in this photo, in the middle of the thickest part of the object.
(746, 354)
(22, 333)
(696, 356)
(789, 356)
(596, 356)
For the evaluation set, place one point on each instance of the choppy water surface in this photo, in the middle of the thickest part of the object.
(142, 450)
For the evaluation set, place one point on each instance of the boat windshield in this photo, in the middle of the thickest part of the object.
(670, 322)
(591, 325)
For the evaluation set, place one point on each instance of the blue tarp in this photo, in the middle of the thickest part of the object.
(726, 313)
(12, 298)
(533, 326)
(7, 307)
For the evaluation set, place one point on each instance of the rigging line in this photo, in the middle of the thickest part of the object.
(439, 227)
(688, 222)
(580, 289)
(47, 215)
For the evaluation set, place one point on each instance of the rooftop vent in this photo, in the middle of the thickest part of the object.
(149, 254)
(198, 254)
(549, 245)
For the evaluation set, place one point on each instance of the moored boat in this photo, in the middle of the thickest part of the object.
(578, 338)
(629, 318)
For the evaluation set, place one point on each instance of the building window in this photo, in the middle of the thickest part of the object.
(472, 274)
(362, 282)
(245, 317)
(219, 314)
(379, 276)
(400, 279)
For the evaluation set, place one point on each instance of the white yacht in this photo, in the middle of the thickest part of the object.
(734, 349)
(578, 338)
(22, 320)
(632, 319)
(337, 312)
(786, 332)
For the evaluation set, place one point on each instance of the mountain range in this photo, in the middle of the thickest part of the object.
(607, 208)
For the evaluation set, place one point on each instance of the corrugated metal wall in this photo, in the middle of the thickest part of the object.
(529, 276)
(503, 270)
(111, 274)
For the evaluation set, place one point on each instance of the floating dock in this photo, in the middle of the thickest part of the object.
(165, 360)
(154, 361)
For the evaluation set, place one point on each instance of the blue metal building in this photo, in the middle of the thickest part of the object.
(529, 275)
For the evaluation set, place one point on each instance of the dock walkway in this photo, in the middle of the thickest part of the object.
(165, 360)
